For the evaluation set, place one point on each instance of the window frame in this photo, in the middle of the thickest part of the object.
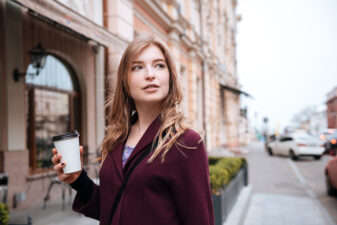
(73, 96)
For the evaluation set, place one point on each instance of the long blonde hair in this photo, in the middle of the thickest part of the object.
(121, 108)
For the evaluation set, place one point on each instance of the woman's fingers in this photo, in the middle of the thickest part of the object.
(56, 158)
(59, 168)
(81, 152)
(54, 151)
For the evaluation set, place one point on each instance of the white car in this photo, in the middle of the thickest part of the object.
(296, 145)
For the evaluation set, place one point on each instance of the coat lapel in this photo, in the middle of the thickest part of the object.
(117, 158)
(146, 139)
(118, 152)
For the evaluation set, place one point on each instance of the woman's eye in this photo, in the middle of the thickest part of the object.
(160, 66)
(138, 67)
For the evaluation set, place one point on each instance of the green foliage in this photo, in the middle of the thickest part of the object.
(213, 160)
(222, 170)
(4, 214)
(218, 177)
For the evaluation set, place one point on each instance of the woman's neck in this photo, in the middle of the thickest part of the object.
(146, 115)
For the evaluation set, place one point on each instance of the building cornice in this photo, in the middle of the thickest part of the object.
(61, 15)
(154, 9)
(170, 2)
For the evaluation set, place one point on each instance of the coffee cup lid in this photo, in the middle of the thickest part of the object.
(66, 136)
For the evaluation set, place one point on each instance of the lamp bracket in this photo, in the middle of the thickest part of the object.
(17, 75)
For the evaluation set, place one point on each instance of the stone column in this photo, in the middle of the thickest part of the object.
(208, 106)
(3, 86)
(99, 78)
(192, 86)
(13, 111)
(119, 18)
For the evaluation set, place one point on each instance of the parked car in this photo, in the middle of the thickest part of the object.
(323, 136)
(331, 177)
(297, 145)
(269, 140)
(330, 144)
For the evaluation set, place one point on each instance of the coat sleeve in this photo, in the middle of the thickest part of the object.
(92, 207)
(190, 183)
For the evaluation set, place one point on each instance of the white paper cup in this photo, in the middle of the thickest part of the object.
(69, 147)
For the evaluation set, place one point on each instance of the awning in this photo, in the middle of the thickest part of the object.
(66, 17)
(235, 90)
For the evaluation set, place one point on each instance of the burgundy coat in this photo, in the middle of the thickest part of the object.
(176, 192)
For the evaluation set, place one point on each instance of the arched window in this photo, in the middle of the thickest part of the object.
(52, 108)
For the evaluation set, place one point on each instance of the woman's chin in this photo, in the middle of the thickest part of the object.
(150, 102)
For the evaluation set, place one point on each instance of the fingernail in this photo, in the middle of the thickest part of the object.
(62, 164)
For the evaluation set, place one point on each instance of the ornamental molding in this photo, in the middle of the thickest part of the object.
(154, 9)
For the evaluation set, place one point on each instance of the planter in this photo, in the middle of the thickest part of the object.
(225, 200)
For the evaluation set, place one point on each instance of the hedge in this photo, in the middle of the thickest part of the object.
(222, 170)
(4, 212)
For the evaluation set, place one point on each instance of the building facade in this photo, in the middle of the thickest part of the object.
(332, 108)
(80, 44)
(66, 94)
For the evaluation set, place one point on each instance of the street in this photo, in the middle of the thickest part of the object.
(302, 181)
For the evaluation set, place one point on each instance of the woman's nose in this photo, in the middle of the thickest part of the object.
(150, 73)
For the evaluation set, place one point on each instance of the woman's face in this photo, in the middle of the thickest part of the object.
(148, 77)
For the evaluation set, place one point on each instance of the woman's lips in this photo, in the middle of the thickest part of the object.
(151, 89)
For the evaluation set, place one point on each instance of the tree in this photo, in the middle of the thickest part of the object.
(304, 115)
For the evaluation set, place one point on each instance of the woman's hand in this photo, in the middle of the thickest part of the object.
(58, 167)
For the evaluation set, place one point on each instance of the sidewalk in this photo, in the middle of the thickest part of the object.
(273, 209)
(52, 215)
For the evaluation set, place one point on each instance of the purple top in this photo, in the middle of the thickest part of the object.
(126, 153)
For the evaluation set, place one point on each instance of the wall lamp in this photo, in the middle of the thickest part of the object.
(38, 57)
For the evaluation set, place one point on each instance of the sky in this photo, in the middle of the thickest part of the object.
(286, 55)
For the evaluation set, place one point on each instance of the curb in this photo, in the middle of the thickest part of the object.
(235, 217)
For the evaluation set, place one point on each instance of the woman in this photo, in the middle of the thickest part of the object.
(170, 186)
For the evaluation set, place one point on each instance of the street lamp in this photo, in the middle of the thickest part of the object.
(38, 57)
(265, 121)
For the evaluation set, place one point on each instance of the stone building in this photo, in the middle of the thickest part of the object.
(55, 58)
(332, 108)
